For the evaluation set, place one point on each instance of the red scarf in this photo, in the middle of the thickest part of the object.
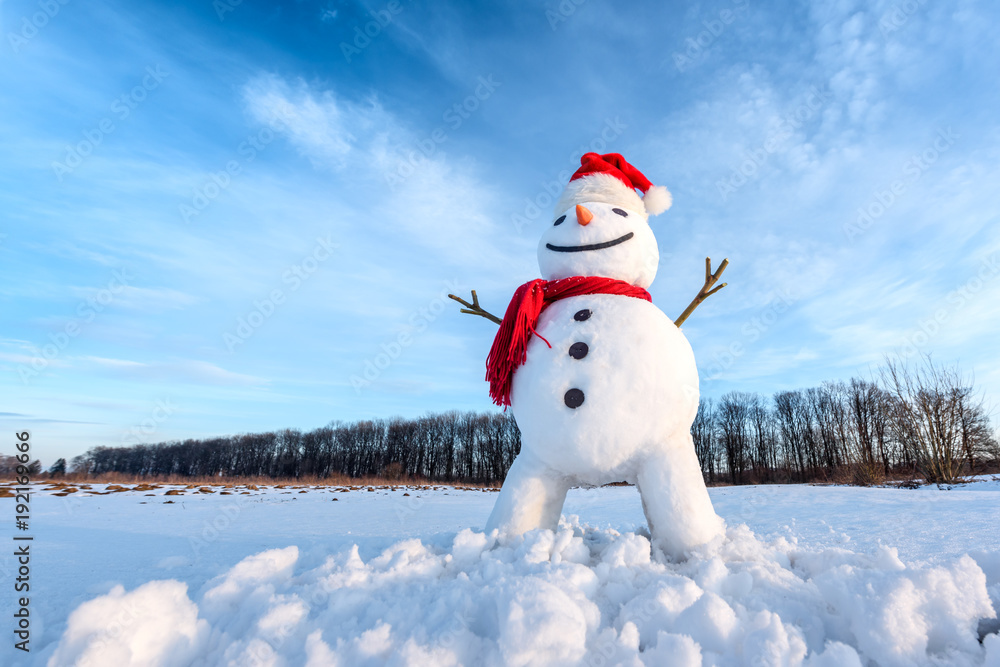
(510, 347)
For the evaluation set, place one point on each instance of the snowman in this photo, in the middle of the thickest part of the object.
(602, 384)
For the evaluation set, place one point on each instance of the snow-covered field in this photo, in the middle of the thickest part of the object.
(286, 576)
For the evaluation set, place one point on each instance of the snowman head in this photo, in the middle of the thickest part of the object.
(600, 225)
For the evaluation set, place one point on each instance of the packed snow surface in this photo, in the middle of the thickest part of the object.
(285, 576)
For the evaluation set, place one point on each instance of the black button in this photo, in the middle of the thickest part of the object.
(582, 315)
(578, 350)
(573, 398)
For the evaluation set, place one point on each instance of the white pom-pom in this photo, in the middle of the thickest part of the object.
(657, 200)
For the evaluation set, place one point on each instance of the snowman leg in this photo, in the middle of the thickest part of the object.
(532, 497)
(675, 500)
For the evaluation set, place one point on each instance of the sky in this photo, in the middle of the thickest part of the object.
(237, 216)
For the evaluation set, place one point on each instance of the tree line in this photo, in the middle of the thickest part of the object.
(448, 447)
(910, 421)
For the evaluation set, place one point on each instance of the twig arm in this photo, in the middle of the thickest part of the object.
(474, 308)
(706, 291)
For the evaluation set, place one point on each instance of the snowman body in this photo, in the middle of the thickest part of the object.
(614, 397)
(638, 380)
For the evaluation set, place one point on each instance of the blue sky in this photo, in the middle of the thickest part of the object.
(230, 217)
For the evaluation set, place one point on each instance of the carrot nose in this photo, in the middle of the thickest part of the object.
(583, 215)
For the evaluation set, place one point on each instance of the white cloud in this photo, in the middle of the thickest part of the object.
(29, 361)
(437, 199)
(326, 130)
(27, 355)
(114, 363)
(145, 299)
(180, 370)
(783, 229)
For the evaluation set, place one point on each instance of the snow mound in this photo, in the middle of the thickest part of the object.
(154, 624)
(576, 596)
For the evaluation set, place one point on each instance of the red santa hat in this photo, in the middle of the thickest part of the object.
(609, 178)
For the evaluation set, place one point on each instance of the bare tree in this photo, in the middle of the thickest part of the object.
(705, 442)
(763, 438)
(58, 469)
(794, 424)
(927, 415)
(733, 418)
(866, 407)
(978, 441)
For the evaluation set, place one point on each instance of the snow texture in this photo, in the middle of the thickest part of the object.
(574, 596)
(805, 575)
(156, 624)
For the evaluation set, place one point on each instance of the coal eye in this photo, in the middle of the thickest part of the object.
(619, 212)
(559, 220)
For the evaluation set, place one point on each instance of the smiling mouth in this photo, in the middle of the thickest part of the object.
(592, 246)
